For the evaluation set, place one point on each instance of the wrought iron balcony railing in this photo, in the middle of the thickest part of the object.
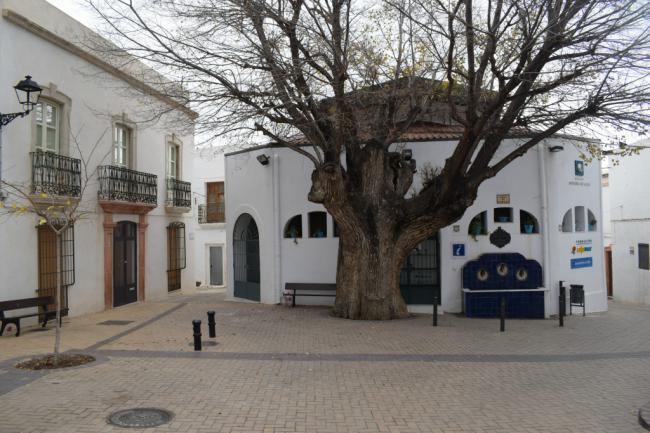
(122, 184)
(212, 213)
(179, 193)
(55, 175)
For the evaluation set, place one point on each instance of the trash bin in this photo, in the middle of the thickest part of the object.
(577, 297)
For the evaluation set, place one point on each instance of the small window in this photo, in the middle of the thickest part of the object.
(47, 117)
(172, 161)
(567, 222)
(644, 257)
(478, 225)
(293, 228)
(503, 215)
(121, 145)
(592, 223)
(528, 223)
(317, 225)
(579, 218)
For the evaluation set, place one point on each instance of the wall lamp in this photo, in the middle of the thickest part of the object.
(27, 91)
(556, 148)
(263, 159)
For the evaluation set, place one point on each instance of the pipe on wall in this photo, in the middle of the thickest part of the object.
(277, 269)
(546, 229)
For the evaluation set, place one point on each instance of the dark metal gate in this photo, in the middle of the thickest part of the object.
(246, 258)
(125, 263)
(420, 277)
(175, 255)
(47, 271)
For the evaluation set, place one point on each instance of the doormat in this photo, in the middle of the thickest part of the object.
(116, 322)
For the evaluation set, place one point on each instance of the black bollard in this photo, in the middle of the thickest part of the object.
(212, 331)
(562, 303)
(435, 311)
(196, 325)
(502, 316)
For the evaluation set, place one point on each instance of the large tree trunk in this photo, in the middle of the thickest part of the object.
(367, 278)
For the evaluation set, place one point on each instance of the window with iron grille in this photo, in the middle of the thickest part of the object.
(175, 254)
(644, 257)
(47, 271)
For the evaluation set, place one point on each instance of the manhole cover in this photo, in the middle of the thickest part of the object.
(116, 322)
(140, 417)
(205, 343)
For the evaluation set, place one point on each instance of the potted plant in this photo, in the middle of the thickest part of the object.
(592, 225)
(475, 227)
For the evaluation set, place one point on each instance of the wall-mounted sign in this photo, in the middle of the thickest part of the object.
(458, 250)
(581, 246)
(500, 238)
(503, 198)
(579, 167)
(582, 262)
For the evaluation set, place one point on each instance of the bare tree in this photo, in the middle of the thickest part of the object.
(56, 211)
(340, 81)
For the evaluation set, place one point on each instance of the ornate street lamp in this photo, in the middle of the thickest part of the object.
(28, 91)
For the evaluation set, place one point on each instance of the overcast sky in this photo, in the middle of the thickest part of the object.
(77, 9)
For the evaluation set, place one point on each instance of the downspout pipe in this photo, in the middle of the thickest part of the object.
(546, 229)
(277, 271)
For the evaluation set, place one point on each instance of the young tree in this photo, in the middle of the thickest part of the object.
(58, 212)
(339, 81)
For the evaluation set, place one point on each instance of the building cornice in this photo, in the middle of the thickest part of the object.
(57, 40)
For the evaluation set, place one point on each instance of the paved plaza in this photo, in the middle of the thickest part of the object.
(278, 369)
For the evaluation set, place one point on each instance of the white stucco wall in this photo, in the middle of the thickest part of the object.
(630, 216)
(249, 188)
(208, 166)
(95, 97)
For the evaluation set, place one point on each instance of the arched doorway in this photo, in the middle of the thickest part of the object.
(125, 263)
(246, 258)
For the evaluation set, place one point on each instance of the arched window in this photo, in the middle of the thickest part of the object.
(567, 221)
(528, 223)
(293, 228)
(592, 223)
(478, 225)
(317, 224)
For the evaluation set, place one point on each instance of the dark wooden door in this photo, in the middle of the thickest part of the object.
(216, 212)
(420, 277)
(125, 263)
(609, 271)
(246, 258)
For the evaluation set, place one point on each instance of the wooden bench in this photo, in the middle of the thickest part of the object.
(19, 304)
(292, 289)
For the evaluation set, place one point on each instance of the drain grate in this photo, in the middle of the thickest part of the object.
(140, 417)
(116, 322)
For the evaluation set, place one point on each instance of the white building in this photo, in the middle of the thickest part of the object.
(630, 222)
(209, 224)
(132, 245)
(549, 190)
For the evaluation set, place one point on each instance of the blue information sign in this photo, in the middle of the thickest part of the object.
(582, 262)
(458, 250)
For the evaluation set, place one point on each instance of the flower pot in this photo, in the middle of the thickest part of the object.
(528, 228)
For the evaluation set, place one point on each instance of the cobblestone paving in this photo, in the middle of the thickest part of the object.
(278, 369)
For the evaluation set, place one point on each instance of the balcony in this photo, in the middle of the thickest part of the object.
(179, 196)
(55, 175)
(122, 190)
(212, 213)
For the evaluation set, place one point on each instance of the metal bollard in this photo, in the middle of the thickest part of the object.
(435, 311)
(212, 331)
(196, 325)
(502, 316)
(562, 303)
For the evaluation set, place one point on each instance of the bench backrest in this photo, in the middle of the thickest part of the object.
(310, 286)
(18, 304)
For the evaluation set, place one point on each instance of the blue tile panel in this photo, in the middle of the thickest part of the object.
(519, 305)
(483, 273)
